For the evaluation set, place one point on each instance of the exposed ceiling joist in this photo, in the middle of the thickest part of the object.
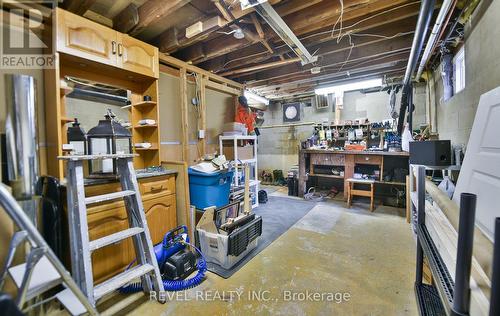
(316, 20)
(308, 89)
(258, 28)
(379, 34)
(367, 51)
(167, 43)
(255, 54)
(134, 19)
(348, 71)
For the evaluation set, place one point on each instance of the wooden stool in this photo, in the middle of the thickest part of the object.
(353, 192)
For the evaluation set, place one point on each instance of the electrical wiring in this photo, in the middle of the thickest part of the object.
(324, 32)
(197, 107)
(358, 22)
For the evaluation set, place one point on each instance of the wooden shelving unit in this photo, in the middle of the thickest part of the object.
(56, 113)
(141, 110)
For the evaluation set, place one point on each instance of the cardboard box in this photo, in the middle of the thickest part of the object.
(244, 152)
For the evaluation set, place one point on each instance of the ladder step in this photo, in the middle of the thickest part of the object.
(71, 302)
(120, 280)
(107, 197)
(114, 238)
(44, 277)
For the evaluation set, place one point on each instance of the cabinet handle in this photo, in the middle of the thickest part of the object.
(113, 47)
(120, 49)
(156, 188)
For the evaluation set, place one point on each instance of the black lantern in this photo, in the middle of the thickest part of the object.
(108, 137)
(77, 138)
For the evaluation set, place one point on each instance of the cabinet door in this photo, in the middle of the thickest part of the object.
(83, 38)
(160, 215)
(104, 220)
(137, 56)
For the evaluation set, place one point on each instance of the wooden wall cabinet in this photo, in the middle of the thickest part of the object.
(80, 37)
(137, 56)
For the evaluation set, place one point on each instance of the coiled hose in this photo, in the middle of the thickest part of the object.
(174, 285)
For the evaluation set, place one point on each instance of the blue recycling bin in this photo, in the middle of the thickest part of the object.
(209, 189)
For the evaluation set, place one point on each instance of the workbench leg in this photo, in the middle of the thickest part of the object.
(349, 196)
(302, 173)
(372, 198)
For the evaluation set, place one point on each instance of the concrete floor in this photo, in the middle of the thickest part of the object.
(360, 263)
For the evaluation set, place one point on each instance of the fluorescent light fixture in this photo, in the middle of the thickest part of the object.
(358, 85)
(245, 4)
(255, 97)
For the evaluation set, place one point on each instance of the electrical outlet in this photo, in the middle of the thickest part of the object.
(201, 134)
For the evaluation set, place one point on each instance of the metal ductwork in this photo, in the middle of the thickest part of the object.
(21, 140)
(21, 134)
(436, 30)
(424, 19)
(267, 12)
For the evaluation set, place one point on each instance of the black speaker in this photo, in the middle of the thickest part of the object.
(431, 153)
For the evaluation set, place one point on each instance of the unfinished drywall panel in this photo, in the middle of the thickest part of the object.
(220, 110)
(170, 117)
(456, 115)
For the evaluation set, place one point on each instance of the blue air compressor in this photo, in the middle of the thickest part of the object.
(176, 262)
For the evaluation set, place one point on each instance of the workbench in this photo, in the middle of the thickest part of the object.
(309, 158)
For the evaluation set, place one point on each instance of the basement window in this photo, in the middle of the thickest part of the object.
(459, 71)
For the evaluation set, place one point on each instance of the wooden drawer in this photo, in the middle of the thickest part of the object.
(149, 187)
(328, 159)
(368, 159)
(157, 186)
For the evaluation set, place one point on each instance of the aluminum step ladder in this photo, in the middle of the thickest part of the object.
(82, 248)
(42, 270)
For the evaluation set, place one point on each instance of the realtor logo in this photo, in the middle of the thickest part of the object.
(26, 39)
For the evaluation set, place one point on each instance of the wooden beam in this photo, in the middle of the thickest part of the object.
(361, 52)
(323, 14)
(333, 77)
(168, 44)
(134, 21)
(173, 38)
(262, 66)
(77, 6)
(222, 88)
(262, 36)
(127, 19)
(382, 33)
(203, 114)
(257, 25)
(223, 10)
(184, 115)
(172, 61)
(375, 64)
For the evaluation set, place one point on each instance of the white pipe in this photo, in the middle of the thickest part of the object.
(436, 30)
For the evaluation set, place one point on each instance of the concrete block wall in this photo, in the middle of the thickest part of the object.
(455, 117)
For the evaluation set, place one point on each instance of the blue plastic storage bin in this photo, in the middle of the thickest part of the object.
(210, 189)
